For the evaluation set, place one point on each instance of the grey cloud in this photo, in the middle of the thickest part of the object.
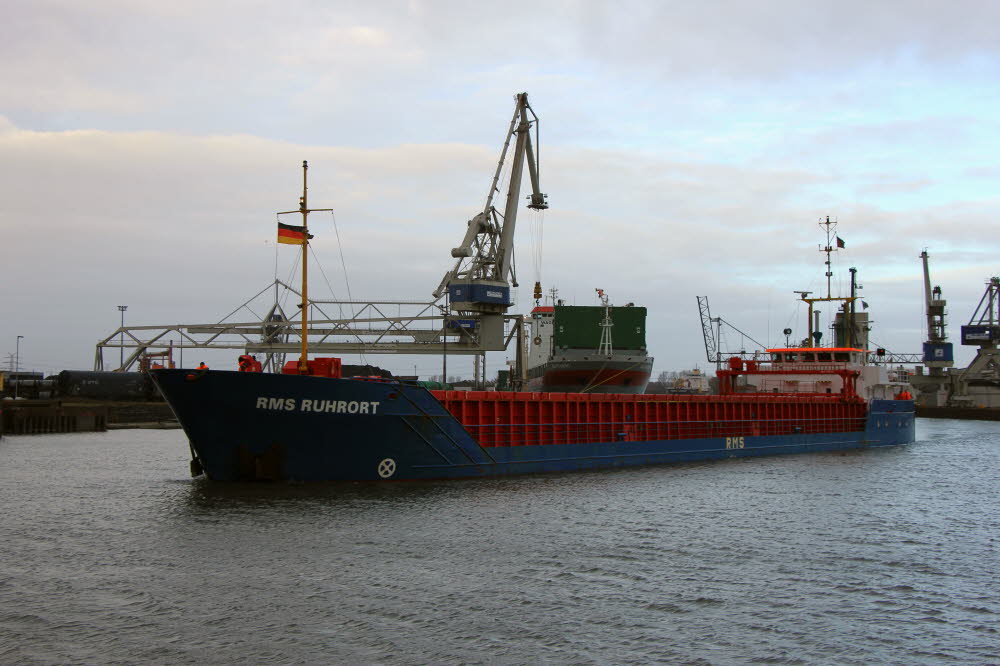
(264, 68)
(184, 224)
(688, 148)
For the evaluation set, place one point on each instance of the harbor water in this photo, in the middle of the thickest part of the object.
(111, 554)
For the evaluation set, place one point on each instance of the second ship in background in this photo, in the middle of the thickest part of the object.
(588, 348)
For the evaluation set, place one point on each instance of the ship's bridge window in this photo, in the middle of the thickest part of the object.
(808, 358)
(790, 358)
(775, 356)
(824, 356)
(842, 356)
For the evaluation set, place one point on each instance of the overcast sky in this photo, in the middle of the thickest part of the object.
(687, 149)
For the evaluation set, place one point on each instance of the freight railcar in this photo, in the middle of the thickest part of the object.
(134, 386)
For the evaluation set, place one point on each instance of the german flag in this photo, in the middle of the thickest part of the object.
(291, 234)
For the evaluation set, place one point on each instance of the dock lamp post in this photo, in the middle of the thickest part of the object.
(121, 340)
(17, 362)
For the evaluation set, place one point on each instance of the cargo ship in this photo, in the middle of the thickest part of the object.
(312, 423)
(588, 349)
(320, 427)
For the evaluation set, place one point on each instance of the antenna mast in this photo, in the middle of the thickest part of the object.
(813, 318)
(606, 323)
(831, 228)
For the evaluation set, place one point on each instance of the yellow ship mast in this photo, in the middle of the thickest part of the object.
(305, 210)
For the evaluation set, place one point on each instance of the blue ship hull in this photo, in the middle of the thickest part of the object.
(245, 426)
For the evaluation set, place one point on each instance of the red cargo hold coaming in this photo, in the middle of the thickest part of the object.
(524, 419)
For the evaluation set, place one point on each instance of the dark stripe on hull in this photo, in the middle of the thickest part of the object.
(405, 433)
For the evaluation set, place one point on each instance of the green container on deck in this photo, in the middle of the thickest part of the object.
(503, 380)
(579, 327)
(435, 386)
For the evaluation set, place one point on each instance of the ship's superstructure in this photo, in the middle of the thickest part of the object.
(588, 349)
(814, 369)
(821, 370)
(844, 366)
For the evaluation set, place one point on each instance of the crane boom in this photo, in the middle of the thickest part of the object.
(934, 305)
(711, 345)
(712, 330)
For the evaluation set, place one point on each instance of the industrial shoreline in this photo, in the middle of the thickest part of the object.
(36, 417)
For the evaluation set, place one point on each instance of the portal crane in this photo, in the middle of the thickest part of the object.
(482, 277)
(938, 352)
(983, 329)
(977, 384)
(471, 322)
